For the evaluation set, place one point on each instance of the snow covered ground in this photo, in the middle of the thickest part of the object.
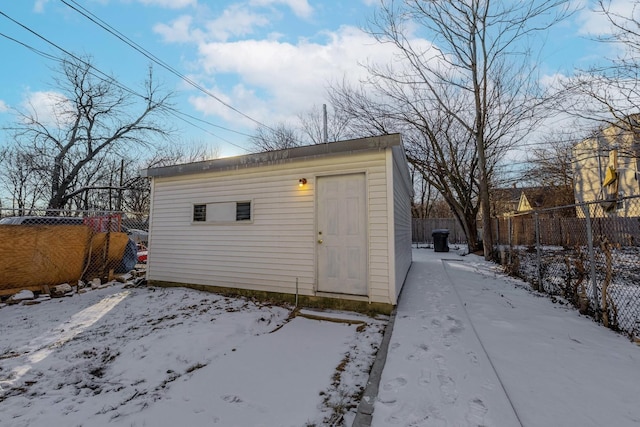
(471, 347)
(169, 357)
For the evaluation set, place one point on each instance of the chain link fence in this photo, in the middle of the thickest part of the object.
(588, 254)
(41, 250)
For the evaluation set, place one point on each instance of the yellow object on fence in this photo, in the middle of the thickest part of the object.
(34, 256)
(610, 176)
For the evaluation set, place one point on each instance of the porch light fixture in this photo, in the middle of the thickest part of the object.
(302, 182)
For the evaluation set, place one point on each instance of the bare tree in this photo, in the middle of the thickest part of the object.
(313, 125)
(550, 163)
(427, 202)
(549, 171)
(134, 194)
(463, 99)
(94, 118)
(309, 130)
(422, 195)
(279, 137)
(437, 147)
(22, 179)
(610, 92)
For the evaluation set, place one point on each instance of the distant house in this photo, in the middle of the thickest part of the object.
(506, 202)
(330, 222)
(606, 169)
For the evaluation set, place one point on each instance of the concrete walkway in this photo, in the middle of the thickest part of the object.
(470, 347)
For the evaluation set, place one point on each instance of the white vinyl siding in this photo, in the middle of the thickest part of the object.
(278, 245)
(402, 195)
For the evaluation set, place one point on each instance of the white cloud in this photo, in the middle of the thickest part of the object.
(235, 21)
(596, 23)
(178, 31)
(38, 6)
(300, 8)
(553, 81)
(278, 80)
(3, 106)
(170, 4)
(48, 107)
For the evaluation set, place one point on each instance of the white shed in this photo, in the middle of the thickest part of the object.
(330, 222)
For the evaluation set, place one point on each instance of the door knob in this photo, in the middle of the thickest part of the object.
(319, 240)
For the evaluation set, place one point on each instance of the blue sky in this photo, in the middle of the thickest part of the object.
(270, 59)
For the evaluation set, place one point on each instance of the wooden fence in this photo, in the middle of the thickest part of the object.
(423, 227)
(567, 232)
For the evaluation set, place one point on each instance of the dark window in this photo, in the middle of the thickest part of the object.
(199, 212)
(243, 211)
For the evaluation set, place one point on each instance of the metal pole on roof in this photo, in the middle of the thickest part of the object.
(325, 133)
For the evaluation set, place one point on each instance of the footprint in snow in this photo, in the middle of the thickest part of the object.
(440, 361)
(425, 378)
(237, 400)
(456, 325)
(387, 400)
(394, 384)
(476, 412)
(447, 384)
(420, 351)
(454, 328)
(400, 415)
(411, 415)
(229, 398)
(448, 389)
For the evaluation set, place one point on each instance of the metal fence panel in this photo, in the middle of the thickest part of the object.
(581, 253)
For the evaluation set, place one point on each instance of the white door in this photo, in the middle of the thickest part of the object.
(342, 234)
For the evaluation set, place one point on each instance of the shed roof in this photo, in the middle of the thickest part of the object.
(270, 158)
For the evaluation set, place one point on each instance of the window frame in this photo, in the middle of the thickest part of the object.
(242, 213)
(199, 213)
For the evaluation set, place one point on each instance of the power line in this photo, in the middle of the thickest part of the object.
(212, 124)
(105, 26)
(31, 48)
(105, 77)
(209, 132)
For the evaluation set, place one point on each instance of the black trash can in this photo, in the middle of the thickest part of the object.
(440, 243)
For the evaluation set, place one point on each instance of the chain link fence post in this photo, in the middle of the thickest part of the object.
(592, 262)
(539, 286)
(510, 232)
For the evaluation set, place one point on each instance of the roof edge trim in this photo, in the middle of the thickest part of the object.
(277, 156)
